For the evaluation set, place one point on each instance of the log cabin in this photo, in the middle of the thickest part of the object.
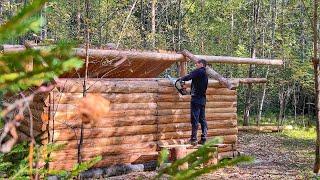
(145, 111)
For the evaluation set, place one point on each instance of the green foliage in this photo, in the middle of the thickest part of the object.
(195, 160)
(23, 22)
(32, 67)
(15, 164)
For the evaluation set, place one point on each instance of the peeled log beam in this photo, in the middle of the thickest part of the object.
(69, 134)
(72, 98)
(187, 126)
(106, 141)
(229, 154)
(162, 112)
(227, 139)
(252, 80)
(186, 105)
(168, 119)
(186, 134)
(97, 149)
(210, 91)
(102, 86)
(210, 98)
(210, 72)
(108, 160)
(211, 83)
(113, 107)
(145, 138)
(107, 122)
(263, 128)
(153, 56)
(121, 113)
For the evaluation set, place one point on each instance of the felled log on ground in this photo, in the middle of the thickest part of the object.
(264, 128)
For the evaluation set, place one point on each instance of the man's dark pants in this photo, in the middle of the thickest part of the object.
(198, 116)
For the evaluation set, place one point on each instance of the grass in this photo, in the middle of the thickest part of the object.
(299, 133)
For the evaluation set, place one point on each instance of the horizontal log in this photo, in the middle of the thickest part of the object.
(164, 116)
(73, 98)
(211, 83)
(113, 106)
(62, 116)
(107, 141)
(72, 134)
(210, 98)
(210, 91)
(187, 126)
(106, 161)
(90, 152)
(219, 110)
(167, 119)
(252, 80)
(228, 154)
(227, 139)
(186, 134)
(186, 105)
(264, 128)
(67, 134)
(152, 56)
(96, 149)
(107, 122)
(72, 85)
(184, 117)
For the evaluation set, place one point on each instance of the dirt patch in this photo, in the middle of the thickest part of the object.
(276, 157)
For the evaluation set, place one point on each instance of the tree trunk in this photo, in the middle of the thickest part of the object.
(78, 19)
(201, 31)
(143, 24)
(317, 85)
(303, 110)
(153, 22)
(295, 101)
(44, 26)
(262, 98)
(248, 104)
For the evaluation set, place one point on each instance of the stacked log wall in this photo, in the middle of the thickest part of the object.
(144, 113)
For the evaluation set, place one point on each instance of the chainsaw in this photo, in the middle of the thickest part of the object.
(179, 85)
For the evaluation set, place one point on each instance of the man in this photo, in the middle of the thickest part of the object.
(198, 100)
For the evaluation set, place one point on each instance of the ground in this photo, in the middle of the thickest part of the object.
(277, 156)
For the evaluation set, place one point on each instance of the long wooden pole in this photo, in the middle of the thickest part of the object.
(210, 72)
(315, 60)
(153, 56)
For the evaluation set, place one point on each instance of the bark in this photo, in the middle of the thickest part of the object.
(78, 19)
(44, 26)
(248, 103)
(153, 22)
(316, 167)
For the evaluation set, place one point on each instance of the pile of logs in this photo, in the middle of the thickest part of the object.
(144, 114)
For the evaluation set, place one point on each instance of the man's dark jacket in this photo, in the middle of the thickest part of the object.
(198, 86)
